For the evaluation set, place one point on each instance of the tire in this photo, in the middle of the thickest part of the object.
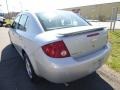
(33, 77)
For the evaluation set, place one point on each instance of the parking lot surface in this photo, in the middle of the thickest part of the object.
(106, 24)
(13, 75)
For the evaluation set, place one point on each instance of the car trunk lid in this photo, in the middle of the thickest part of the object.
(82, 41)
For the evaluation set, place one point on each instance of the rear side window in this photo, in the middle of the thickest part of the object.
(22, 22)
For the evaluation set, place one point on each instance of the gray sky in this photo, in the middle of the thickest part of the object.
(18, 5)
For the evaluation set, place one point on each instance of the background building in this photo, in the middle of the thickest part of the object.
(101, 12)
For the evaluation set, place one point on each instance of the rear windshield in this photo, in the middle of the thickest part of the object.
(60, 19)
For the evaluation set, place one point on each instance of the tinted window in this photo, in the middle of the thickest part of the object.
(60, 19)
(22, 22)
(16, 21)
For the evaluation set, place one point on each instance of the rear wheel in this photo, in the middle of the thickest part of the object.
(29, 69)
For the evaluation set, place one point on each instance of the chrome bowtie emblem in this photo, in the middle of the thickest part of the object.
(93, 42)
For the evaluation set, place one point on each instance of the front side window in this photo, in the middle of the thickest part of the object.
(16, 21)
(60, 19)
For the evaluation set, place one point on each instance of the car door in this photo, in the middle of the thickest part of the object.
(12, 32)
(21, 32)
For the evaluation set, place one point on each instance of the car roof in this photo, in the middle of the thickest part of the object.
(39, 11)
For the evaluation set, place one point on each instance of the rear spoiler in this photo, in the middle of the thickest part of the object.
(80, 32)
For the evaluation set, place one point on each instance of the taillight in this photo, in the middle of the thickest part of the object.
(56, 50)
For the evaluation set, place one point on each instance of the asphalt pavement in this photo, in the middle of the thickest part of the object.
(13, 75)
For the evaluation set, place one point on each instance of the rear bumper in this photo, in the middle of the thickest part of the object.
(76, 68)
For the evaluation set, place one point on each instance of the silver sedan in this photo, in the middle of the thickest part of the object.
(58, 45)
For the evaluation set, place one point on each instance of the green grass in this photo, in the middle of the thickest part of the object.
(8, 21)
(114, 58)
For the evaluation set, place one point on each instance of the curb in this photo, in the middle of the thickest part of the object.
(110, 74)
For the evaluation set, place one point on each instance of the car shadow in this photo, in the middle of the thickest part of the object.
(13, 76)
(9, 52)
